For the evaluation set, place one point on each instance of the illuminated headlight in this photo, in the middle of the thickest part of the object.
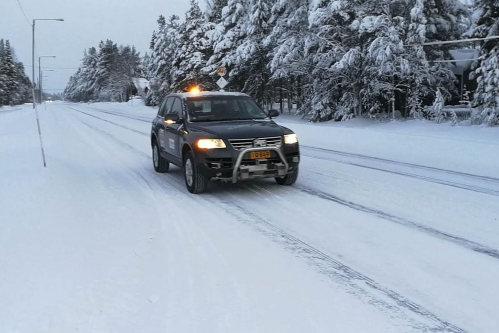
(290, 139)
(211, 144)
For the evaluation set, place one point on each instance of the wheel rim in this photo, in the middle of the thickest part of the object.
(189, 174)
(155, 155)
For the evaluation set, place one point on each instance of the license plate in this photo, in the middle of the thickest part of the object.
(258, 155)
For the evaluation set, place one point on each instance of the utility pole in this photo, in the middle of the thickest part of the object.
(41, 82)
(40, 74)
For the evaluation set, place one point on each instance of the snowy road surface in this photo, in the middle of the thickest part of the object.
(387, 230)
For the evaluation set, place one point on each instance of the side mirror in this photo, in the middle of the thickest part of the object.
(273, 113)
(172, 118)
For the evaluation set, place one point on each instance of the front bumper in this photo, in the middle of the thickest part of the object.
(234, 165)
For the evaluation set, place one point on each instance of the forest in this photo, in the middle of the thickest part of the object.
(15, 86)
(328, 59)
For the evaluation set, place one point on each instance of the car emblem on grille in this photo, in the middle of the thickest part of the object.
(260, 143)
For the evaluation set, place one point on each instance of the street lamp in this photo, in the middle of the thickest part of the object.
(33, 85)
(33, 54)
(42, 81)
(40, 73)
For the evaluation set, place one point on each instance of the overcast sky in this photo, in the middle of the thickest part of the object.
(86, 23)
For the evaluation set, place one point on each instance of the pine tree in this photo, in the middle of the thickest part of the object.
(192, 48)
(214, 10)
(226, 37)
(22, 94)
(106, 64)
(252, 54)
(8, 70)
(329, 42)
(289, 37)
(3, 77)
(487, 67)
(163, 47)
(420, 77)
(106, 74)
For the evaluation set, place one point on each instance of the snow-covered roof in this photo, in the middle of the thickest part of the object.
(141, 83)
(464, 58)
(211, 94)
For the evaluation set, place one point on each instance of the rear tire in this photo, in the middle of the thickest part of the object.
(195, 181)
(161, 165)
(289, 179)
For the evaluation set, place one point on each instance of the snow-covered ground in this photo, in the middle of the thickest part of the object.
(392, 227)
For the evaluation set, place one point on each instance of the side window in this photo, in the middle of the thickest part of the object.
(161, 108)
(177, 107)
(166, 107)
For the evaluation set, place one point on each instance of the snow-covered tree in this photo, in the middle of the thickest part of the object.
(333, 59)
(191, 50)
(226, 37)
(163, 47)
(15, 86)
(370, 58)
(438, 104)
(289, 35)
(214, 10)
(252, 55)
(9, 73)
(105, 74)
(487, 67)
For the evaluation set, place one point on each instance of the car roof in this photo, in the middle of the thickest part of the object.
(210, 94)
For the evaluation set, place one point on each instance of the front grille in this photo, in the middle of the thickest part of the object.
(240, 144)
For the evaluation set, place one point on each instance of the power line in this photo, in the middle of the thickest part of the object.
(445, 42)
(461, 41)
(48, 67)
(22, 10)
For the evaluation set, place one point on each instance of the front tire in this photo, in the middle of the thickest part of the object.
(289, 179)
(195, 181)
(161, 165)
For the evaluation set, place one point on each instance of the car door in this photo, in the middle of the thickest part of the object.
(164, 109)
(173, 131)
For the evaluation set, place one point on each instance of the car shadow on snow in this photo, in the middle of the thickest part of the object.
(253, 187)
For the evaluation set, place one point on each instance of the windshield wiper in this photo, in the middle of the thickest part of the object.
(229, 119)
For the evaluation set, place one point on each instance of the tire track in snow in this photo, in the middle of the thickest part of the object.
(461, 186)
(402, 221)
(118, 114)
(355, 281)
(393, 162)
(434, 180)
(109, 121)
(9, 111)
(471, 245)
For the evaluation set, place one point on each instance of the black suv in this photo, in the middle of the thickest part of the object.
(224, 136)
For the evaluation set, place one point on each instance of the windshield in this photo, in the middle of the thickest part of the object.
(220, 108)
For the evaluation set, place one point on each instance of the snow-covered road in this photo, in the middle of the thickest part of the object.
(367, 241)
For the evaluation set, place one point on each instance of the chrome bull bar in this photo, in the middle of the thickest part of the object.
(239, 160)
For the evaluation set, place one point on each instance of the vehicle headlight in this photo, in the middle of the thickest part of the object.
(290, 139)
(211, 143)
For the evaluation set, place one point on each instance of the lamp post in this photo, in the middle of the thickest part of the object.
(40, 79)
(33, 86)
(33, 55)
(40, 73)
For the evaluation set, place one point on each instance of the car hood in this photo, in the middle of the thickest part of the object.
(240, 129)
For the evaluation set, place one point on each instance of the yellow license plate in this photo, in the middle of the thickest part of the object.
(258, 155)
